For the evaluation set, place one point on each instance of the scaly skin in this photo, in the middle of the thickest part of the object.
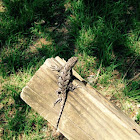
(64, 83)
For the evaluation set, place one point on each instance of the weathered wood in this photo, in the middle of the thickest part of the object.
(87, 114)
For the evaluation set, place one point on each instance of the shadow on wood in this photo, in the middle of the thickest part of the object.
(86, 115)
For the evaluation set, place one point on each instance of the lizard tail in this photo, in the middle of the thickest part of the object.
(60, 114)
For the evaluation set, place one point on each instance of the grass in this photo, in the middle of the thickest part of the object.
(103, 34)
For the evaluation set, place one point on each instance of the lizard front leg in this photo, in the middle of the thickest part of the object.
(72, 87)
(56, 68)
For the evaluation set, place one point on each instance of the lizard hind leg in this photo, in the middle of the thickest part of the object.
(57, 101)
(58, 92)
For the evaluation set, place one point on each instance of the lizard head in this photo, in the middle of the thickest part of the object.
(73, 60)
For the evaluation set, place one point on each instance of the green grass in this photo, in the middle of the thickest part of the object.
(16, 117)
(138, 118)
(103, 34)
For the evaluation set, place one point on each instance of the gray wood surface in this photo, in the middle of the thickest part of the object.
(87, 114)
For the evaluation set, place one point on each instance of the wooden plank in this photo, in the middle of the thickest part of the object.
(87, 114)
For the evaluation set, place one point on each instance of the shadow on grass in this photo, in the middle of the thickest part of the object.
(98, 28)
(107, 24)
(18, 18)
(17, 60)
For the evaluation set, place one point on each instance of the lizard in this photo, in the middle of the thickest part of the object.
(64, 83)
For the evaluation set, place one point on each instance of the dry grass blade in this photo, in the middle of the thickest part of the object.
(129, 67)
(97, 76)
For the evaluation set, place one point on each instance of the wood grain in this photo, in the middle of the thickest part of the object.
(87, 114)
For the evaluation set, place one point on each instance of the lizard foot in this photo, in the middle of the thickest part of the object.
(55, 68)
(57, 101)
(72, 87)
